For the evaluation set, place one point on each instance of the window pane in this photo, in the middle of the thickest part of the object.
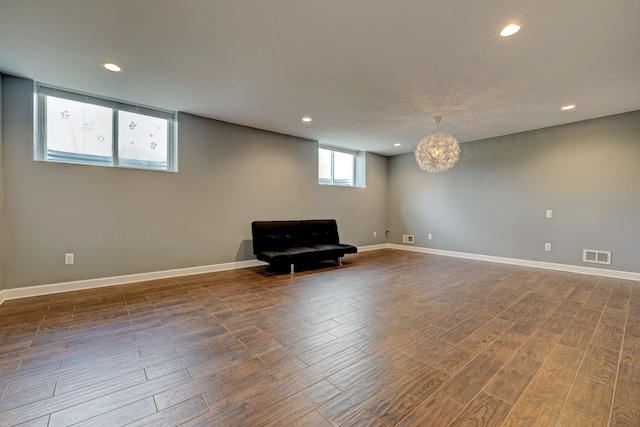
(343, 168)
(81, 128)
(78, 132)
(142, 141)
(324, 166)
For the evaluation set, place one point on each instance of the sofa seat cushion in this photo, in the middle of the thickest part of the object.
(279, 257)
(302, 250)
(304, 254)
(299, 253)
(337, 250)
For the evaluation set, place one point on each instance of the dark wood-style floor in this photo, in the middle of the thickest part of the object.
(389, 338)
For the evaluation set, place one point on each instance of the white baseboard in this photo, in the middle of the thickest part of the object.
(55, 288)
(32, 291)
(616, 274)
(373, 247)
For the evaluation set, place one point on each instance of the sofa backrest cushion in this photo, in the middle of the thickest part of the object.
(320, 232)
(275, 235)
(278, 235)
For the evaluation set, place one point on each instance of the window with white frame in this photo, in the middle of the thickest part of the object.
(341, 167)
(78, 128)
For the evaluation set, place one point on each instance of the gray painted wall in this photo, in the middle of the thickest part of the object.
(493, 201)
(125, 221)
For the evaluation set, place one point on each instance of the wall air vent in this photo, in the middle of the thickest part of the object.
(596, 257)
(407, 238)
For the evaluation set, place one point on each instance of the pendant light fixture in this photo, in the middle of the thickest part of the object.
(437, 152)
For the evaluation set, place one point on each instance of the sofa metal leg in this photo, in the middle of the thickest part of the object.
(339, 261)
(293, 270)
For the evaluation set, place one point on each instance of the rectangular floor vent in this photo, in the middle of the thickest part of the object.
(407, 238)
(596, 257)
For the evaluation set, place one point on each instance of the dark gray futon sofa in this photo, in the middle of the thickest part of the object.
(284, 244)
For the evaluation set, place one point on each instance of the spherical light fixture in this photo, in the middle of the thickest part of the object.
(437, 152)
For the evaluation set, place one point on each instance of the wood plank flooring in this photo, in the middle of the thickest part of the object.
(389, 338)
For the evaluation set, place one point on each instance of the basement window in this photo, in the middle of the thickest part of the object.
(340, 167)
(84, 129)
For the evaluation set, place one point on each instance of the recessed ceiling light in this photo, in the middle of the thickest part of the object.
(510, 30)
(568, 107)
(397, 144)
(307, 119)
(111, 67)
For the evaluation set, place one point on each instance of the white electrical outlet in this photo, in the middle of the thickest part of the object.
(375, 234)
(68, 258)
(547, 247)
(549, 213)
(429, 236)
(407, 238)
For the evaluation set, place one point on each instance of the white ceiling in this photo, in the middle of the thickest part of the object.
(370, 72)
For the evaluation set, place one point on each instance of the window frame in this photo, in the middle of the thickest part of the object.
(332, 179)
(358, 179)
(41, 152)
